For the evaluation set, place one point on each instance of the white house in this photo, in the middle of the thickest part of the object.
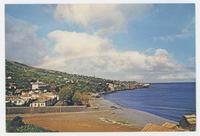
(110, 86)
(9, 77)
(146, 85)
(38, 85)
(19, 102)
(11, 86)
(45, 99)
(15, 100)
(38, 103)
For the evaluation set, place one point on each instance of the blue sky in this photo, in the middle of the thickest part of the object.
(164, 29)
(163, 20)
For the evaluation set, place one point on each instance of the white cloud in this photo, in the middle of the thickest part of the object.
(22, 43)
(74, 45)
(101, 18)
(93, 54)
(86, 54)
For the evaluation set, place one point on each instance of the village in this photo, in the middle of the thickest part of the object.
(39, 95)
(28, 92)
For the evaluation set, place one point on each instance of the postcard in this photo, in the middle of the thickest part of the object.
(100, 67)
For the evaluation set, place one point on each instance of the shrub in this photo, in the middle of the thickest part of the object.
(9, 128)
(17, 125)
(17, 122)
(30, 128)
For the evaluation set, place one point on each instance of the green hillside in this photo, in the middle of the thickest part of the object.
(23, 74)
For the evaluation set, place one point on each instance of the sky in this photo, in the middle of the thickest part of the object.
(140, 42)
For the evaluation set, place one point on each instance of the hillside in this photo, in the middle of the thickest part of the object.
(22, 75)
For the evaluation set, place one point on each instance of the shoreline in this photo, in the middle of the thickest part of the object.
(137, 117)
(102, 116)
(93, 120)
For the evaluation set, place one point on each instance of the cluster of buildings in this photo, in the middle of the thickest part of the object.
(125, 86)
(37, 96)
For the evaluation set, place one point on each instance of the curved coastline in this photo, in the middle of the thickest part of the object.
(175, 100)
(136, 117)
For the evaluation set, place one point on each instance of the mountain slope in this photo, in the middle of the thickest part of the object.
(22, 75)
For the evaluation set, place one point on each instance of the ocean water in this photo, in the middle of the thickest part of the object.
(168, 100)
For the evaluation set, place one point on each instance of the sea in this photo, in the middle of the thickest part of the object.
(168, 100)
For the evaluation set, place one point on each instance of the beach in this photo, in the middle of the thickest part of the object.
(102, 116)
(133, 116)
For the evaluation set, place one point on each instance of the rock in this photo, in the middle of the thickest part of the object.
(170, 125)
(188, 122)
(155, 128)
(164, 127)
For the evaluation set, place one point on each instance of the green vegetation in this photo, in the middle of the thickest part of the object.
(77, 98)
(22, 75)
(17, 125)
(30, 128)
(66, 93)
(81, 98)
(72, 94)
(71, 88)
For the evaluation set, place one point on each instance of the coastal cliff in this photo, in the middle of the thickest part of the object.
(123, 85)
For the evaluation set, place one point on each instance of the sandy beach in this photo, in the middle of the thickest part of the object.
(133, 116)
(102, 116)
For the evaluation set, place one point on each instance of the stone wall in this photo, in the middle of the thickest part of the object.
(48, 109)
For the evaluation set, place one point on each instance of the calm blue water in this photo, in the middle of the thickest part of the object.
(168, 100)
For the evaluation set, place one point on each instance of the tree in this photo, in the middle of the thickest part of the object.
(12, 125)
(17, 125)
(17, 122)
(81, 98)
(86, 99)
(77, 98)
(66, 93)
